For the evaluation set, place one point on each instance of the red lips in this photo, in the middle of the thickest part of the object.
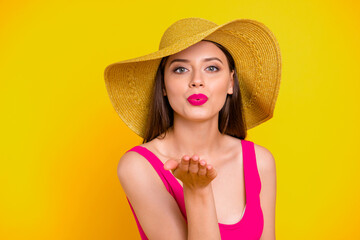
(197, 99)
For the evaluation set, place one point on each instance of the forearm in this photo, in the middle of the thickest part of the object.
(201, 214)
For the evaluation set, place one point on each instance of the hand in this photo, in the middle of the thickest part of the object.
(193, 172)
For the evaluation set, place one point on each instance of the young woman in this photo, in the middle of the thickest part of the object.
(195, 176)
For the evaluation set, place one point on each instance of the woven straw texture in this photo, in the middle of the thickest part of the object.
(253, 46)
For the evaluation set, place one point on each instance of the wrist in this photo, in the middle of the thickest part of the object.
(198, 192)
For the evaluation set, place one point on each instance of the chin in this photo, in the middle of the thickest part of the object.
(199, 116)
(198, 119)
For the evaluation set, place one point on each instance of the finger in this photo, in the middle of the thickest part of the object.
(202, 169)
(211, 172)
(184, 163)
(194, 162)
(170, 164)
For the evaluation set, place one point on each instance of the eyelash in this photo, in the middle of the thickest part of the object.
(217, 69)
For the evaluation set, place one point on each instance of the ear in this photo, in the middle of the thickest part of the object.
(164, 92)
(231, 83)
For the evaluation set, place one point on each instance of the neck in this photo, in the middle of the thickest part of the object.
(194, 137)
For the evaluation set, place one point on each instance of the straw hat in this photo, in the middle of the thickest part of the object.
(257, 60)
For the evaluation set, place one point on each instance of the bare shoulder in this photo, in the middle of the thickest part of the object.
(265, 160)
(128, 164)
(132, 162)
(155, 209)
(134, 171)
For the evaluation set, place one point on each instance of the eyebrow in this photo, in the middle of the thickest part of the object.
(185, 60)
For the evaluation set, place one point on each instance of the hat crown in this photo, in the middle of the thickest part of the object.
(184, 28)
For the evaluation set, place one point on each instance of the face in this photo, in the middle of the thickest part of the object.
(200, 69)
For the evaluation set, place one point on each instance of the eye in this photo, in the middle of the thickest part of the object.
(179, 70)
(213, 68)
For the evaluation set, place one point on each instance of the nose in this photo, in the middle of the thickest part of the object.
(196, 80)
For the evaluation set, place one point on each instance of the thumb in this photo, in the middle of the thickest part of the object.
(170, 164)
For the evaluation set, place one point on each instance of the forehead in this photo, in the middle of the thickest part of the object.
(202, 49)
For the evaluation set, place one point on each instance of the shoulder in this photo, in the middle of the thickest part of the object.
(265, 161)
(132, 161)
(133, 168)
(128, 160)
(264, 158)
(135, 172)
(129, 164)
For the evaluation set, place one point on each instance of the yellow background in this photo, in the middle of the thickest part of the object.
(61, 139)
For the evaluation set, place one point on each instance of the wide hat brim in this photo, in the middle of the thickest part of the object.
(257, 60)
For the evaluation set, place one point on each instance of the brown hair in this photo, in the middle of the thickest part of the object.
(161, 115)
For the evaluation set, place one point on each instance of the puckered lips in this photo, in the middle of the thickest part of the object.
(197, 99)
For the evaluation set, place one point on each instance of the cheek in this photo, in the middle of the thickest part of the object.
(219, 94)
(220, 101)
(172, 96)
(174, 93)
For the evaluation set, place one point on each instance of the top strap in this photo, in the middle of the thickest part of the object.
(252, 177)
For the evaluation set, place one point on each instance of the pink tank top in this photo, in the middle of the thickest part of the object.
(251, 224)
